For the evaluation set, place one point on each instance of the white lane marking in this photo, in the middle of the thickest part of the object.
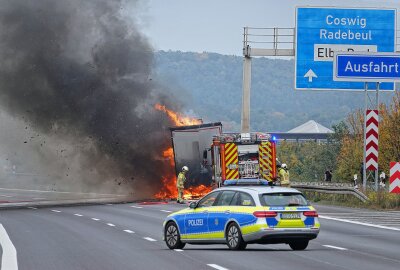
(110, 224)
(30, 207)
(38, 198)
(129, 231)
(166, 211)
(9, 259)
(360, 223)
(149, 239)
(335, 247)
(178, 250)
(7, 196)
(348, 213)
(134, 206)
(108, 204)
(216, 266)
(78, 215)
(95, 219)
(56, 211)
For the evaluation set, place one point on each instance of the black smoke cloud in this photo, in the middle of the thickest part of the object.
(80, 70)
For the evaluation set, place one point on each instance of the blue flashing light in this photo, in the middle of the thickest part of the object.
(243, 182)
(273, 138)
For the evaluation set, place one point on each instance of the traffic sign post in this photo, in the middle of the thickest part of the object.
(372, 140)
(394, 182)
(320, 32)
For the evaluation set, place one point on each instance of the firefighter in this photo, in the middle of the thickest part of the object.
(276, 180)
(180, 183)
(284, 175)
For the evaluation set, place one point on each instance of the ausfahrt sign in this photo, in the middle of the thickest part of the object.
(376, 67)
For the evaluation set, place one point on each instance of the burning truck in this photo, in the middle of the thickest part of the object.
(191, 147)
(214, 156)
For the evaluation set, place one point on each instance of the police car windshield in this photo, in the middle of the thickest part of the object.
(283, 199)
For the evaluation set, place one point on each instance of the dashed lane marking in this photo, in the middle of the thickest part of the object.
(110, 224)
(95, 219)
(78, 215)
(134, 206)
(57, 211)
(108, 203)
(149, 239)
(129, 231)
(178, 250)
(30, 207)
(166, 211)
(9, 257)
(38, 198)
(335, 247)
(7, 196)
(216, 266)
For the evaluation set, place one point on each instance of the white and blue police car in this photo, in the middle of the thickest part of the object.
(241, 215)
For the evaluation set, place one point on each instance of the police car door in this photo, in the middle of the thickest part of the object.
(239, 203)
(219, 214)
(196, 221)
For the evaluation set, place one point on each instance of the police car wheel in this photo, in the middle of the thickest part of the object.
(172, 237)
(234, 238)
(299, 245)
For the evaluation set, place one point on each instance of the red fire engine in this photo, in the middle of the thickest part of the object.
(243, 156)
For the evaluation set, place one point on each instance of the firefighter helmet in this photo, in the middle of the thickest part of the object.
(284, 165)
(185, 169)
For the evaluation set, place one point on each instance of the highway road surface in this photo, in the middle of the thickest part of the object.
(31, 197)
(129, 236)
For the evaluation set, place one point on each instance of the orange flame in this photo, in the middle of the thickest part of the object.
(177, 118)
(196, 192)
(169, 190)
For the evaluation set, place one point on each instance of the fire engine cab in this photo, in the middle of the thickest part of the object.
(243, 156)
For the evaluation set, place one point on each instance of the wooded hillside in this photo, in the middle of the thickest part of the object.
(211, 86)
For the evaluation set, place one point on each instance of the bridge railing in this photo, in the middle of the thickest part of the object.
(277, 41)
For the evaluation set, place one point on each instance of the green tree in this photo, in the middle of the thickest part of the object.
(389, 133)
(351, 147)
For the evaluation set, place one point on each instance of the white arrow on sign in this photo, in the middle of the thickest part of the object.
(310, 74)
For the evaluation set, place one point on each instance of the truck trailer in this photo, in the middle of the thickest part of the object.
(214, 157)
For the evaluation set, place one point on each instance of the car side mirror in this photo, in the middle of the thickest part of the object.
(193, 205)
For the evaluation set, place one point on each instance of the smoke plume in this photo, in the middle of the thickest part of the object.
(79, 70)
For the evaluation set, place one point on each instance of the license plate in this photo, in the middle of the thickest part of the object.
(290, 216)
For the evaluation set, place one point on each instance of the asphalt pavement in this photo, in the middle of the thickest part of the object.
(129, 236)
(24, 198)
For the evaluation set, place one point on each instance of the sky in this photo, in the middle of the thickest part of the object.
(217, 25)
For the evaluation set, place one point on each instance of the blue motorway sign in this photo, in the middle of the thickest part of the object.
(322, 31)
(378, 67)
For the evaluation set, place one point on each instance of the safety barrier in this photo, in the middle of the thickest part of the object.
(333, 188)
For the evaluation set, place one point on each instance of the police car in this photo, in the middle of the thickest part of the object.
(243, 215)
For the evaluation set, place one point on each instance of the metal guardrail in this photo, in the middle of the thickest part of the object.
(324, 184)
(333, 188)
